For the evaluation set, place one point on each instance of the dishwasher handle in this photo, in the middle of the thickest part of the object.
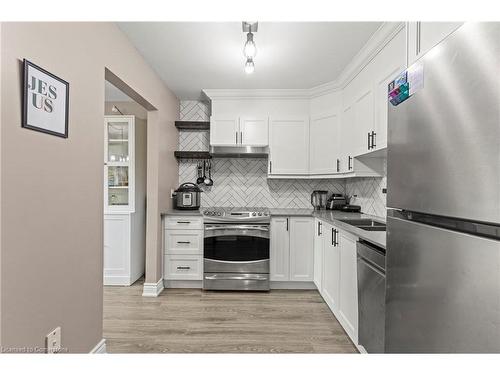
(373, 266)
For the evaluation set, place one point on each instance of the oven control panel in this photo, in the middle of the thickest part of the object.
(235, 214)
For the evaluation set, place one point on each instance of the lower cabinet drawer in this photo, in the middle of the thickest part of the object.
(183, 267)
(183, 222)
(184, 242)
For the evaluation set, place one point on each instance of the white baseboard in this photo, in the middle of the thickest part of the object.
(307, 285)
(190, 284)
(197, 284)
(152, 289)
(116, 281)
(100, 348)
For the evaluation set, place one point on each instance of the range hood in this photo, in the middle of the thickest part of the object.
(239, 151)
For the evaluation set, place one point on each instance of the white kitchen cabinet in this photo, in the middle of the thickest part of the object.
(318, 253)
(423, 36)
(279, 253)
(224, 131)
(254, 132)
(183, 248)
(347, 134)
(239, 131)
(301, 252)
(291, 253)
(331, 268)
(116, 250)
(363, 108)
(348, 285)
(379, 134)
(324, 144)
(289, 146)
(124, 199)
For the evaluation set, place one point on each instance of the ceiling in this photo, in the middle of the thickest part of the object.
(191, 56)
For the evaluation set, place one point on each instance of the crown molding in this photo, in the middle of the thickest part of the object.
(384, 34)
(324, 88)
(235, 94)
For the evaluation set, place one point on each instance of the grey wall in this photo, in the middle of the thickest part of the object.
(243, 182)
(51, 247)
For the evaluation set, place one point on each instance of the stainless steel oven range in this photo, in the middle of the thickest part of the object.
(236, 249)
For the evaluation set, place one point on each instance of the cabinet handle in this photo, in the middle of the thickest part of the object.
(373, 139)
(287, 224)
(183, 222)
(236, 134)
(187, 242)
(335, 242)
(319, 228)
(349, 167)
(418, 39)
(338, 165)
(369, 146)
(270, 166)
(183, 267)
(241, 137)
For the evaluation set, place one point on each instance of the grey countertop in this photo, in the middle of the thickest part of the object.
(332, 217)
(181, 212)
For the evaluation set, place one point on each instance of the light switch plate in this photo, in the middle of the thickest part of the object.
(53, 341)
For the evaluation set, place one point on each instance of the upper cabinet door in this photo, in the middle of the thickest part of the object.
(224, 131)
(390, 62)
(289, 146)
(254, 132)
(423, 36)
(324, 144)
(363, 121)
(347, 135)
(119, 163)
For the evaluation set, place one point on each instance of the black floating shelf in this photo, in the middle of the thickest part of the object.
(192, 155)
(192, 125)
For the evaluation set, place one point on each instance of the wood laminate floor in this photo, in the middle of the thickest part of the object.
(195, 321)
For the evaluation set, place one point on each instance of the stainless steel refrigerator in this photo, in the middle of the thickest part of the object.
(443, 194)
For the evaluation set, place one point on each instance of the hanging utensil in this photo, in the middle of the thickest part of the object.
(209, 181)
(205, 167)
(200, 179)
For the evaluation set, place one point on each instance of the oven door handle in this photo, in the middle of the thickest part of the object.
(261, 228)
(221, 277)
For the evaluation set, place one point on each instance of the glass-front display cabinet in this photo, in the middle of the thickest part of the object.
(119, 163)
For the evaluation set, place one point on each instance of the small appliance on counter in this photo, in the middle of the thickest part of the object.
(187, 197)
(318, 199)
(336, 202)
(350, 208)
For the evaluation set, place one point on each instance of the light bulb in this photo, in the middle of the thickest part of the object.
(250, 49)
(249, 66)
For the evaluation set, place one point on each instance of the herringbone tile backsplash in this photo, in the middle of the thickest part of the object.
(243, 182)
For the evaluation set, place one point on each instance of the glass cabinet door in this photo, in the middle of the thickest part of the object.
(118, 158)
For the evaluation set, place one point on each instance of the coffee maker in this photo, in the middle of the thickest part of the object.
(318, 199)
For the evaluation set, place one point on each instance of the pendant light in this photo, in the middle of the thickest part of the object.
(249, 49)
(249, 66)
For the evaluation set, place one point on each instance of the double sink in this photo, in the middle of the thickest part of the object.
(365, 224)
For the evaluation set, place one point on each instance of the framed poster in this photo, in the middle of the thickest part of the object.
(45, 101)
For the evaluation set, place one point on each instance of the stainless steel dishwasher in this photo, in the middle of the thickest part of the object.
(371, 296)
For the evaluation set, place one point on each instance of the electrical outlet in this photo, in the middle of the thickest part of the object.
(53, 341)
